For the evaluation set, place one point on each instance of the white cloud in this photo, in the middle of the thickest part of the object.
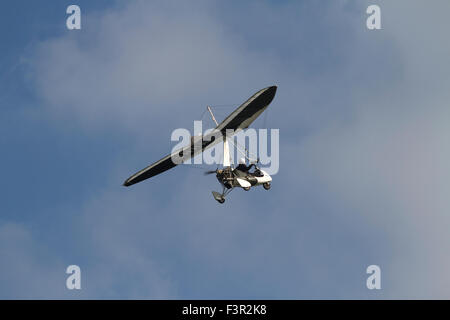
(149, 61)
(28, 269)
(390, 164)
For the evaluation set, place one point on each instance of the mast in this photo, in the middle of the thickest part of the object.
(226, 152)
(226, 147)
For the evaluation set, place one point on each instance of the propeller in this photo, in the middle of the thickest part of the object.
(210, 172)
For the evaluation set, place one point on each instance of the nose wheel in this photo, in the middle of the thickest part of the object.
(267, 185)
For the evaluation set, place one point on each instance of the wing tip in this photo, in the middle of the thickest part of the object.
(273, 88)
(270, 91)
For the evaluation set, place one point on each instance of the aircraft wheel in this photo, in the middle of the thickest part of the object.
(247, 188)
(221, 200)
(266, 185)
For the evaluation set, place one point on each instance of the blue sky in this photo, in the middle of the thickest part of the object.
(363, 150)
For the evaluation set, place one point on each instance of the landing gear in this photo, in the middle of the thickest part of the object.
(267, 185)
(220, 197)
(246, 188)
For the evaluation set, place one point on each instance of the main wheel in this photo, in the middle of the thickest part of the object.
(266, 185)
(222, 200)
(246, 188)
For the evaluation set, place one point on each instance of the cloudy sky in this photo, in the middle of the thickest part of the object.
(364, 149)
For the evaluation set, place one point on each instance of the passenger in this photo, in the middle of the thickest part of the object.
(243, 167)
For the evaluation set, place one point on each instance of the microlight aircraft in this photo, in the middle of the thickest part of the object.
(228, 176)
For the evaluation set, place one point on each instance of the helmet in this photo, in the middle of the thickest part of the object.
(242, 161)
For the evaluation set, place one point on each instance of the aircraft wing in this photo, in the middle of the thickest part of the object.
(158, 167)
(239, 119)
(167, 163)
(247, 112)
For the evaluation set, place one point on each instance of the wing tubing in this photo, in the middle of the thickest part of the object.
(239, 119)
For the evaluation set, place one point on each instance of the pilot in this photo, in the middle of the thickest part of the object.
(243, 167)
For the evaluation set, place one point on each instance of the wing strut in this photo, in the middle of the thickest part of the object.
(212, 115)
